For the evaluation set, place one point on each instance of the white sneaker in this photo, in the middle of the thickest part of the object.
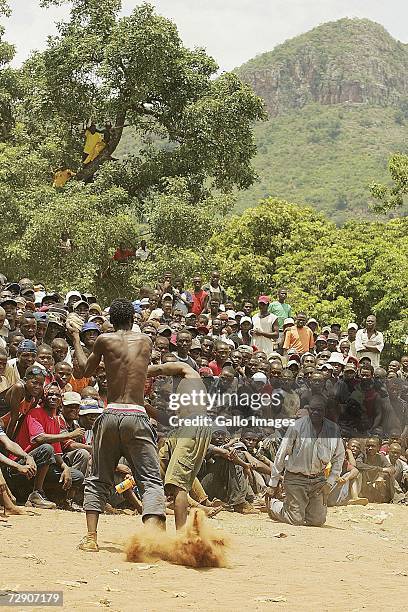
(37, 499)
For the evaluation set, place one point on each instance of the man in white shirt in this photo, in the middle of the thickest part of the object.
(369, 342)
(142, 252)
(265, 330)
(307, 448)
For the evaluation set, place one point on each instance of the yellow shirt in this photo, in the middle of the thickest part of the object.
(91, 140)
(61, 177)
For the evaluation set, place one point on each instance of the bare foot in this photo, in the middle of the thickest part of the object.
(15, 510)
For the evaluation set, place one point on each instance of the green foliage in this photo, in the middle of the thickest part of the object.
(391, 197)
(339, 150)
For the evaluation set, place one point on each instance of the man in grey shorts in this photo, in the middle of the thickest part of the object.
(124, 428)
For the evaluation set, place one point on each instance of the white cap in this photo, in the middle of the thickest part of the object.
(231, 314)
(313, 321)
(352, 326)
(336, 358)
(293, 361)
(260, 377)
(289, 321)
(246, 319)
(167, 295)
(325, 365)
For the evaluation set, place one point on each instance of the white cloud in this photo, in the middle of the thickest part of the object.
(232, 31)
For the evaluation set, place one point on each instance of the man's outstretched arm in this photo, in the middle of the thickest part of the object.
(174, 368)
(86, 366)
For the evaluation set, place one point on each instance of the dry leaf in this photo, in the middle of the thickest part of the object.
(181, 594)
(280, 534)
(273, 598)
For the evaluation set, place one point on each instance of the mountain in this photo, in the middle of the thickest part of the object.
(337, 98)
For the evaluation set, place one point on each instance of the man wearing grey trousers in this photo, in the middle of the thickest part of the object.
(307, 448)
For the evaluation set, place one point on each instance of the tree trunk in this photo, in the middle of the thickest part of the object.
(87, 172)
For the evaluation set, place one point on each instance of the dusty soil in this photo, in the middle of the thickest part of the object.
(358, 561)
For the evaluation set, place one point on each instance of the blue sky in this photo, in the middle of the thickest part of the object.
(232, 31)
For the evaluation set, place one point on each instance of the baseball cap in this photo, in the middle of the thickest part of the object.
(352, 326)
(240, 314)
(144, 302)
(260, 377)
(195, 344)
(293, 362)
(71, 294)
(8, 300)
(96, 317)
(289, 321)
(333, 337)
(13, 287)
(165, 296)
(244, 348)
(326, 365)
(190, 314)
(27, 346)
(336, 358)
(71, 398)
(263, 299)
(326, 328)
(321, 339)
(205, 372)
(203, 330)
(79, 303)
(89, 327)
(231, 314)
(313, 321)
(350, 366)
(164, 330)
(246, 320)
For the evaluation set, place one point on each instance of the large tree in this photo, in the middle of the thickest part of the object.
(135, 71)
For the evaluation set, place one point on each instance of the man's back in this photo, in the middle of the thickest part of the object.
(126, 356)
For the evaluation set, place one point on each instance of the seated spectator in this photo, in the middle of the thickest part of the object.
(377, 473)
(40, 436)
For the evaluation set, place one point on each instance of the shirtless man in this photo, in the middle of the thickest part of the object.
(124, 428)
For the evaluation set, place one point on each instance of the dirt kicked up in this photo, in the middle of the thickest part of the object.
(357, 562)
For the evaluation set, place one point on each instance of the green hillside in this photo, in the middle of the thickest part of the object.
(337, 98)
(325, 156)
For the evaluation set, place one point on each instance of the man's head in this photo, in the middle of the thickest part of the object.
(28, 325)
(247, 308)
(317, 410)
(207, 348)
(45, 357)
(89, 334)
(214, 307)
(14, 339)
(394, 452)
(371, 322)
(34, 381)
(263, 303)
(26, 354)
(150, 330)
(366, 373)
(355, 446)
(70, 406)
(226, 377)
(217, 327)
(162, 344)
(372, 446)
(250, 439)
(63, 373)
(222, 351)
(183, 342)
(308, 360)
(197, 282)
(332, 342)
(404, 363)
(81, 308)
(301, 319)
(219, 437)
(393, 366)
(317, 382)
(275, 372)
(100, 375)
(52, 398)
(282, 295)
(215, 278)
(59, 349)
(3, 361)
(121, 314)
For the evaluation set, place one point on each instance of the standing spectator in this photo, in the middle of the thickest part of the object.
(369, 342)
(265, 327)
(299, 337)
(142, 252)
(214, 289)
(280, 309)
(199, 297)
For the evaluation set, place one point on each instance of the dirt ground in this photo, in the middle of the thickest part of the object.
(358, 561)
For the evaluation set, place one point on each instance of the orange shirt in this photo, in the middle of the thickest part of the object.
(78, 384)
(299, 338)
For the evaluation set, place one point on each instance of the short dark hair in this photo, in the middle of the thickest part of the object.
(121, 312)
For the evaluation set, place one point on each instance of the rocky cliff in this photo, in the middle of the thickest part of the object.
(348, 61)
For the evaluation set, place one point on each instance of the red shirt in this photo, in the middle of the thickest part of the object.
(198, 301)
(38, 421)
(216, 369)
(123, 255)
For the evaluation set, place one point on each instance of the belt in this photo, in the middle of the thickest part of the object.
(310, 476)
(128, 408)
